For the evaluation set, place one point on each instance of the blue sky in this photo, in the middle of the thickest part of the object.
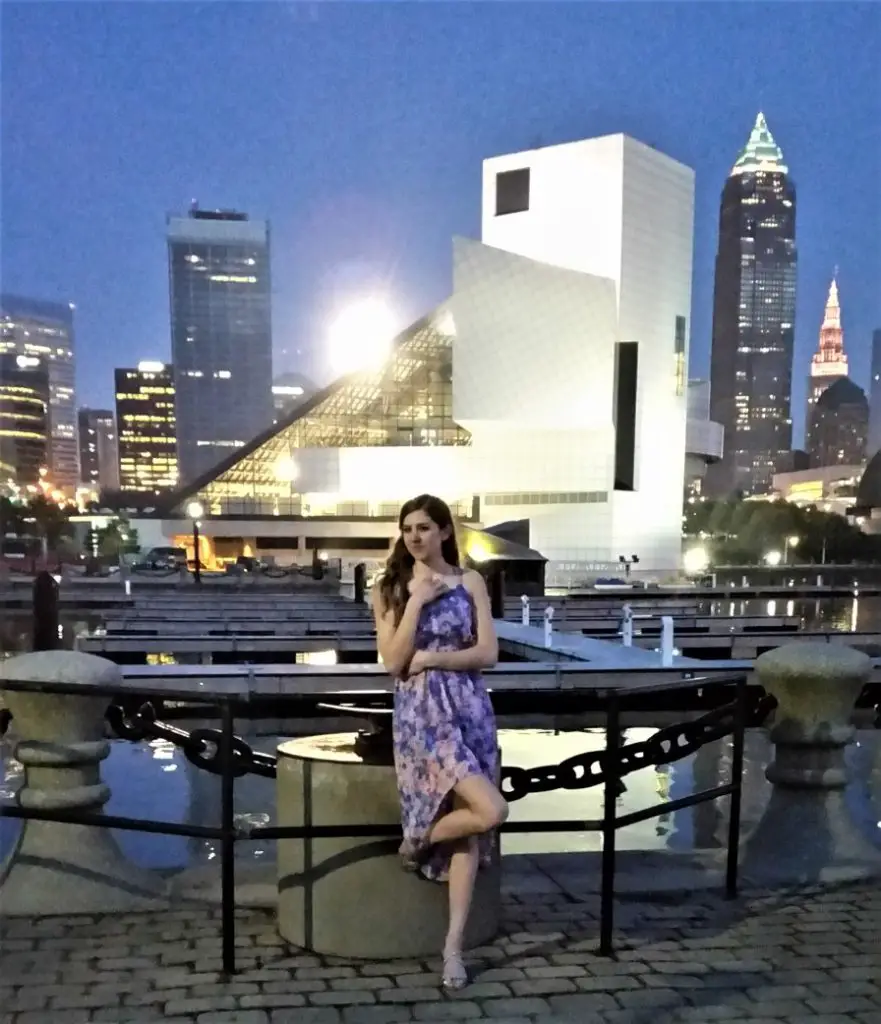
(359, 130)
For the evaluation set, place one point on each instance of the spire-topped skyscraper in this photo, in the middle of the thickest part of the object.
(754, 318)
(829, 363)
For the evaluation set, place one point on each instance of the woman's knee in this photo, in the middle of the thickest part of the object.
(494, 813)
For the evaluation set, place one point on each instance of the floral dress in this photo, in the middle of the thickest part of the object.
(444, 728)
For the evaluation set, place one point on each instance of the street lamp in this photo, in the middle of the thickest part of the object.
(195, 512)
(696, 561)
(773, 558)
(789, 542)
(627, 563)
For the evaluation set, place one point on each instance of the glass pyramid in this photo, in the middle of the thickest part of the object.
(761, 153)
(406, 402)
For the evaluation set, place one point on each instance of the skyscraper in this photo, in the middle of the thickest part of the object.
(24, 418)
(875, 396)
(145, 418)
(99, 451)
(829, 363)
(31, 327)
(839, 425)
(221, 334)
(753, 318)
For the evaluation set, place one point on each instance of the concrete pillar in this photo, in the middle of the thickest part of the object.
(806, 832)
(59, 738)
(351, 897)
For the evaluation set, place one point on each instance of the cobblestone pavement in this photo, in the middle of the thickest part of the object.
(807, 955)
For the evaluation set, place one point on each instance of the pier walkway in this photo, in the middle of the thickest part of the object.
(808, 955)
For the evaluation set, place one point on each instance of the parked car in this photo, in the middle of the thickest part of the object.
(164, 558)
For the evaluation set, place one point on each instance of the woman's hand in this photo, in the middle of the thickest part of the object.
(420, 661)
(427, 589)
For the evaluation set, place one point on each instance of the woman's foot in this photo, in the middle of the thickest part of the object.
(413, 853)
(455, 972)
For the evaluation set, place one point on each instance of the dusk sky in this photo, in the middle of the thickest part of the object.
(359, 131)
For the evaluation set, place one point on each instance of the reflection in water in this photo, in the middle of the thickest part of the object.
(155, 781)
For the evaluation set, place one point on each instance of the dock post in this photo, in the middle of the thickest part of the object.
(524, 609)
(666, 640)
(627, 626)
(549, 629)
(45, 603)
(497, 592)
(807, 833)
(360, 583)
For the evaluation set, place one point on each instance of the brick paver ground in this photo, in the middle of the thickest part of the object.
(811, 955)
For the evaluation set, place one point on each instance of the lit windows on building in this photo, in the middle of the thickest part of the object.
(24, 417)
(754, 310)
(146, 422)
(221, 332)
(36, 328)
(99, 453)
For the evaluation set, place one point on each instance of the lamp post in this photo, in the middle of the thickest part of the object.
(628, 563)
(789, 542)
(195, 512)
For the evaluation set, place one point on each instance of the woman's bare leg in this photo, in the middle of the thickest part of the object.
(463, 872)
(479, 807)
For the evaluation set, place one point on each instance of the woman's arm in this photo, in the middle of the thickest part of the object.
(485, 652)
(396, 644)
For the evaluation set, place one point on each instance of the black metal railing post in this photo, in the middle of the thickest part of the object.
(610, 798)
(737, 790)
(227, 842)
(45, 607)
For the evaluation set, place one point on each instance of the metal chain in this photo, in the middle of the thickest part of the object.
(671, 743)
(201, 747)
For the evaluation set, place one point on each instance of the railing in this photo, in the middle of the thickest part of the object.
(221, 752)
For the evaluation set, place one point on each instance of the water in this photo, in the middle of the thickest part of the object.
(156, 781)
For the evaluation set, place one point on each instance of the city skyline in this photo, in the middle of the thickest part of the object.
(372, 202)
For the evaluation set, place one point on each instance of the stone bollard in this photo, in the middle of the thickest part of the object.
(58, 868)
(350, 897)
(806, 833)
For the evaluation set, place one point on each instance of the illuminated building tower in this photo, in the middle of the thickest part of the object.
(221, 334)
(145, 419)
(44, 330)
(24, 418)
(99, 453)
(829, 363)
(753, 319)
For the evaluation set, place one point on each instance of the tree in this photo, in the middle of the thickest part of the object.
(117, 538)
(12, 517)
(744, 532)
(52, 521)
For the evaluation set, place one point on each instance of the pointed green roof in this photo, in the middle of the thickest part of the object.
(761, 153)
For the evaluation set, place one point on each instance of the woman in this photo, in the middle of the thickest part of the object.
(435, 633)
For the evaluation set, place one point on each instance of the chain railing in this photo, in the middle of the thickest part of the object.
(202, 746)
(220, 751)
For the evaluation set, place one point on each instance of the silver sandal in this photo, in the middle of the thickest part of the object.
(455, 976)
(413, 853)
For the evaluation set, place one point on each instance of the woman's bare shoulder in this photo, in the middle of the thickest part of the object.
(472, 580)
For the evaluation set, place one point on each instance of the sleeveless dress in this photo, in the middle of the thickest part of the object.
(444, 729)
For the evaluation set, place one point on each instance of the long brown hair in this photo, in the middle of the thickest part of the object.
(399, 567)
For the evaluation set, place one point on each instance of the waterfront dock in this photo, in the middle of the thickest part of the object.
(805, 956)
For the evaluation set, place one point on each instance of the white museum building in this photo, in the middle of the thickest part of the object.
(550, 387)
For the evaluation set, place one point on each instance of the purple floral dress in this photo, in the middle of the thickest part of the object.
(444, 728)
